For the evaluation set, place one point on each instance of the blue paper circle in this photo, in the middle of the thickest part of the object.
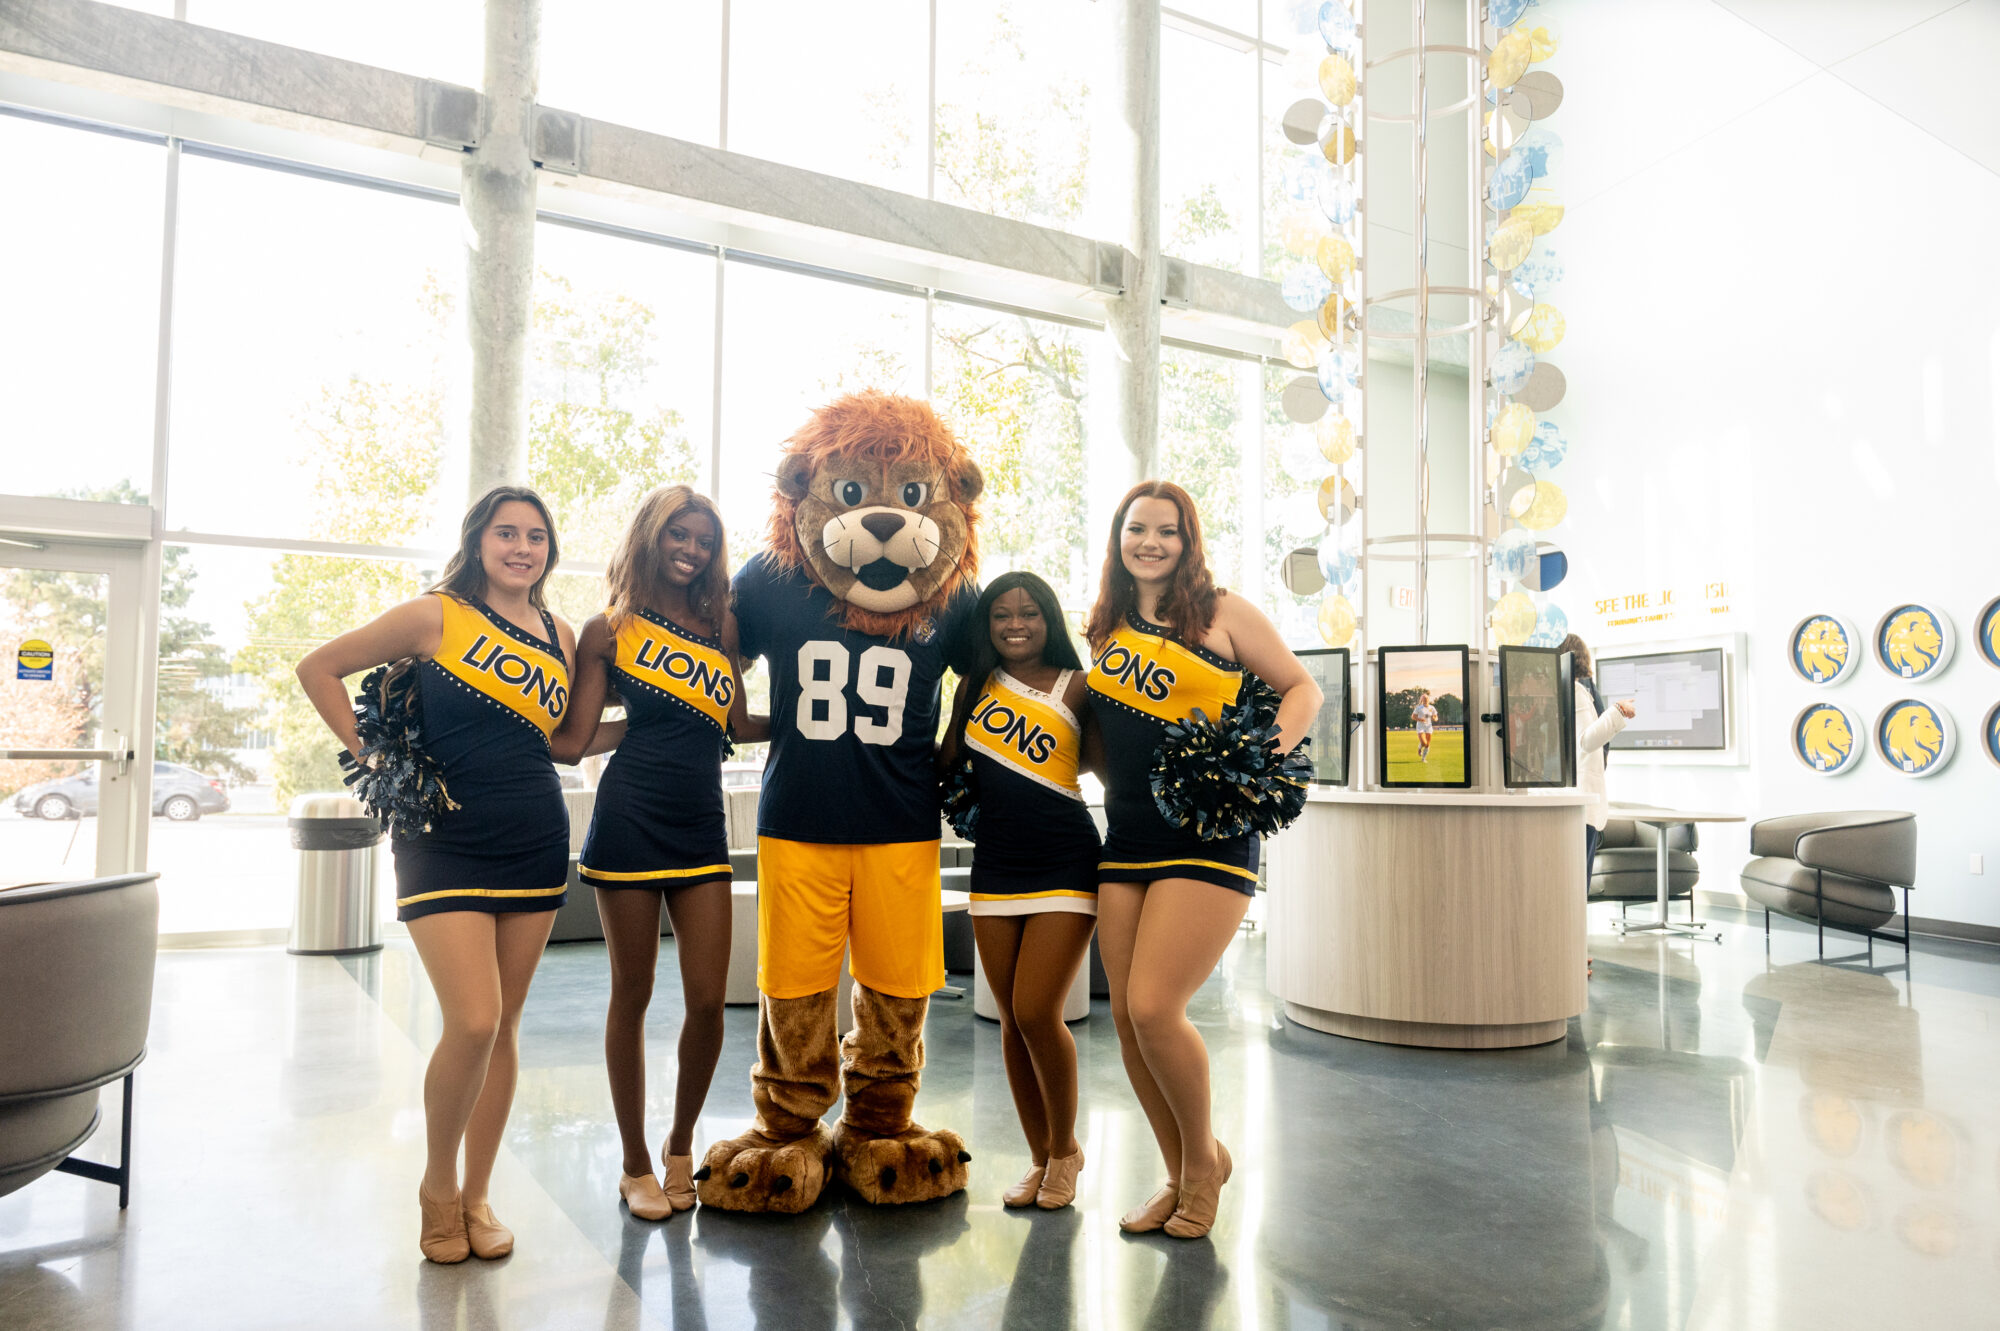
(1306, 288)
(1336, 196)
(1549, 571)
(1545, 451)
(1339, 370)
(1503, 13)
(1514, 554)
(1539, 272)
(1337, 564)
(1512, 365)
(1336, 24)
(1540, 148)
(1553, 622)
(1509, 184)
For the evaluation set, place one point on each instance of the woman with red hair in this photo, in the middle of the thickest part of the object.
(1166, 641)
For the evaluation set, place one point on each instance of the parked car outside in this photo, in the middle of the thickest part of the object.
(179, 793)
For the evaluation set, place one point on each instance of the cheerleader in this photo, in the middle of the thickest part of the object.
(1034, 872)
(479, 889)
(667, 646)
(1166, 641)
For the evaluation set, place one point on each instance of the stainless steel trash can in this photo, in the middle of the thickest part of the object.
(337, 840)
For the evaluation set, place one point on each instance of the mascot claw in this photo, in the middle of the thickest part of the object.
(759, 1173)
(914, 1166)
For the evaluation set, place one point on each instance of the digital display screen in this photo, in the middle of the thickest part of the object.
(1330, 731)
(1537, 717)
(1420, 717)
(1678, 698)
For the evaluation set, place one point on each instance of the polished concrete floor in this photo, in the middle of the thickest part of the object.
(1722, 1142)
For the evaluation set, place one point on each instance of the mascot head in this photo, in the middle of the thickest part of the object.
(1823, 648)
(1912, 641)
(874, 500)
(1911, 734)
(1825, 739)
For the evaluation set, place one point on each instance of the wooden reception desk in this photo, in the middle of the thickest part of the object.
(1450, 919)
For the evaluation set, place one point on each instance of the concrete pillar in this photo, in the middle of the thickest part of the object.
(499, 202)
(1125, 161)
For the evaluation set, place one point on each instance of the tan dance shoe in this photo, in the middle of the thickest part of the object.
(680, 1181)
(643, 1197)
(1059, 1181)
(1023, 1193)
(1196, 1212)
(490, 1239)
(1153, 1212)
(442, 1238)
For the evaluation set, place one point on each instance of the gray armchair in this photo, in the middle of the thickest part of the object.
(1627, 864)
(1835, 869)
(76, 985)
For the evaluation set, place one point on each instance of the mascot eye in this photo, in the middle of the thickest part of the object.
(849, 492)
(914, 494)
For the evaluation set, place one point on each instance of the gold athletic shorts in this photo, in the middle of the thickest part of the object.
(880, 902)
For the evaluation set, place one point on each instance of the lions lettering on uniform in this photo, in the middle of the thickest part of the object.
(1149, 679)
(1010, 727)
(516, 671)
(675, 664)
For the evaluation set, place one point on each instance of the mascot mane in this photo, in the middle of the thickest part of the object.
(1912, 733)
(1826, 737)
(873, 429)
(1823, 647)
(1913, 641)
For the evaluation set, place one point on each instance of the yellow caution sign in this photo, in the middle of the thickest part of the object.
(35, 660)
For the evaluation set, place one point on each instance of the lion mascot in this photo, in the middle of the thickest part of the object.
(864, 589)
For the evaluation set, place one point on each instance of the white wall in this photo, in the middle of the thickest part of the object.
(1783, 355)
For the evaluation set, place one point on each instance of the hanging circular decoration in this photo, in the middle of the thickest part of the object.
(1545, 505)
(1337, 564)
(1545, 451)
(1543, 37)
(1824, 648)
(1545, 329)
(1505, 124)
(1511, 244)
(1339, 367)
(1336, 317)
(1337, 198)
(1336, 621)
(1503, 13)
(1542, 209)
(1914, 641)
(1302, 401)
(1509, 59)
(1300, 235)
(1336, 79)
(1541, 148)
(1337, 501)
(1551, 566)
(1552, 623)
(1513, 618)
(1515, 554)
(1914, 737)
(1336, 24)
(1513, 483)
(1512, 429)
(1828, 738)
(1302, 120)
(1509, 185)
(1335, 436)
(1990, 734)
(1545, 388)
(1511, 367)
(1989, 632)
(1537, 275)
(1338, 145)
(1300, 572)
(1542, 91)
(1305, 288)
(1336, 257)
(1303, 344)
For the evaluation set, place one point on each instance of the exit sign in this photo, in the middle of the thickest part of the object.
(1403, 598)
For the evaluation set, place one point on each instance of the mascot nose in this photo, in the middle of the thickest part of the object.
(882, 525)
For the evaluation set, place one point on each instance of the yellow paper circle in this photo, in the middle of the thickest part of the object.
(1335, 434)
(1303, 344)
(1540, 506)
(1338, 145)
(1336, 621)
(1336, 80)
(1511, 242)
(1542, 210)
(1336, 257)
(1512, 429)
(1545, 329)
(1542, 39)
(1513, 619)
(1333, 317)
(1336, 500)
(1301, 234)
(1510, 58)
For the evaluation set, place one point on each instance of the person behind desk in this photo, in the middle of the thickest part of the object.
(1595, 725)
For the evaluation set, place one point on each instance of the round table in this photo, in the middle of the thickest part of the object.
(1664, 821)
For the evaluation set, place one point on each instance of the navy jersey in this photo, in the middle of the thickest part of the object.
(854, 716)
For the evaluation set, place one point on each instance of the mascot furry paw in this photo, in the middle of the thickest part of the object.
(856, 607)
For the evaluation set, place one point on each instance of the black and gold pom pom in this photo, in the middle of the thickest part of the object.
(958, 796)
(395, 779)
(1225, 778)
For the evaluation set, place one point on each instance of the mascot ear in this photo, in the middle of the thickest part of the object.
(967, 481)
(795, 477)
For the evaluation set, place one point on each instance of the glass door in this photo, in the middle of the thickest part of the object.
(76, 776)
